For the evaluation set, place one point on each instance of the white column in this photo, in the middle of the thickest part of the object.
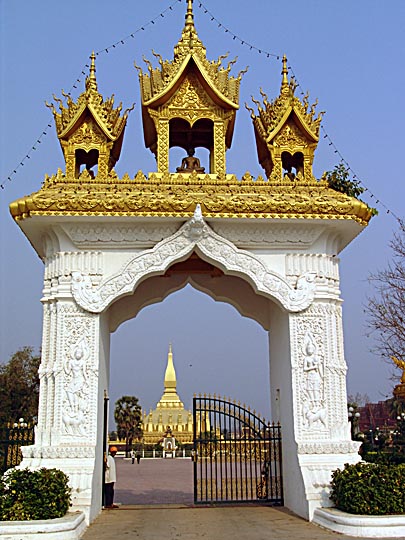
(319, 374)
(71, 398)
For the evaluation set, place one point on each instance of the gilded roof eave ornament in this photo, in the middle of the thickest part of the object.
(178, 195)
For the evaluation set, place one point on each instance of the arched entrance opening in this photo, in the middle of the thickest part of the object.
(203, 332)
(209, 356)
(198, 269)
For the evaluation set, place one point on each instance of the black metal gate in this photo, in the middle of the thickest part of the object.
(12, 437)
(237, 455)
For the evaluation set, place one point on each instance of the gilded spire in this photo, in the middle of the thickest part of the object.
(284, 73)
(170, 374)
(170, 399)
(189, 13)
(91, 81)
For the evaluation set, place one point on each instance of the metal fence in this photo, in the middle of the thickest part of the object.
(12, 437)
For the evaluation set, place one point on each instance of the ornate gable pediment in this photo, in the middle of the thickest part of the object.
(88, 134)
(291, 136)
(192, 102)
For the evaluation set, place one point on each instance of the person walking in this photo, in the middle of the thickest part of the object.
(138, 457)
(132, 454)
(110, 479)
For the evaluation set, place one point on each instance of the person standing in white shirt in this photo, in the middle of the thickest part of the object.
(110, 479)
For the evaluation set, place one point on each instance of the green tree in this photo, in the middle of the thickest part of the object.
(19, 386)
(128, 418)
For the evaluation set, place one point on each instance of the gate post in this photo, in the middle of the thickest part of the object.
(308, 378)
(73, 376)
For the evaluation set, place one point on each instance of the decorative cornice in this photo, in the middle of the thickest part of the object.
(58, 452)
(100, 235)
(193, 235)
(176, 195)
(345, 447)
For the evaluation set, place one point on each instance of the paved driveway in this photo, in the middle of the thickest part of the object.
(154, 481)
(156, 502)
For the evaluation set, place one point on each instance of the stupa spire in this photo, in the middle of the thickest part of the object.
(170, 399)
(170, 374)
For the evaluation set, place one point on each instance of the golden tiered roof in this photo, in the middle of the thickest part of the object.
(161, 81)
(190, 101)
(286, 125)
(200, 94)
(107, 118)
(91, 126)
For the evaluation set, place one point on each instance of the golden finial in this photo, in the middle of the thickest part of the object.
(284, 73)
(189, 14)
(91, 82)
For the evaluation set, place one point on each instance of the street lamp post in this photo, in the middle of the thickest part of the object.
(354, 421)
(20, 424)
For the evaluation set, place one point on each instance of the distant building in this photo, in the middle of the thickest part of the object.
(169, 412)
(376, 415)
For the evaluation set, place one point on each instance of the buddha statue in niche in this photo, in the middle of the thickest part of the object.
(190, 163)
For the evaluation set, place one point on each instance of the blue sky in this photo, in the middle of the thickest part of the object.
(349, 55)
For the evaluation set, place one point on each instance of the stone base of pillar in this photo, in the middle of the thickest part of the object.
(316, 470)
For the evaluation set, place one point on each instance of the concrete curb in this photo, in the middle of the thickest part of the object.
(360, 525)
(69, 527)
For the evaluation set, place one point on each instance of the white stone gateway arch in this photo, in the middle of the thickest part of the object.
(107, 241)
(85, 299)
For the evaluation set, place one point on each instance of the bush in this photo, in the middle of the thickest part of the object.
(31, 495)
(369, 488)
(339, 180)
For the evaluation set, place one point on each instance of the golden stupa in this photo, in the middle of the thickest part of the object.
(169, 412)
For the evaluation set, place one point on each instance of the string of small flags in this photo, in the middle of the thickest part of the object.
(326, 136)
(78, 80)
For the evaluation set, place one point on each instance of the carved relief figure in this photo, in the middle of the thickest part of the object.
(190, 163)
(313, 404)
(76, 387)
